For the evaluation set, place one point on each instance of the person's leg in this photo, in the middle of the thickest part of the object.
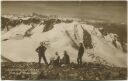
(39, 61)
(80, 60)
(44, 58)
(50, 62)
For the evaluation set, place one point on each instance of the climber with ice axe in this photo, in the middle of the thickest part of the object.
(41, 53)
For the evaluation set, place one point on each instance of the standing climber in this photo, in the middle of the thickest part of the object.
(80, 53)
(41, 53)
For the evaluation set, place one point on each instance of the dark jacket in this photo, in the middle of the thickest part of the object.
(81, 51)
(66, 59)
(41, 50)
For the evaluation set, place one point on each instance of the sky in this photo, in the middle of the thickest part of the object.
(111, 10)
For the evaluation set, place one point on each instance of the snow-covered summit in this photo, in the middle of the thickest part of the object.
(62, 36)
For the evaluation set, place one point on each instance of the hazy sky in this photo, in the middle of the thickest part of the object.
(114, 11)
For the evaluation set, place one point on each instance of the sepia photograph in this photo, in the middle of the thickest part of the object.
(64, 40)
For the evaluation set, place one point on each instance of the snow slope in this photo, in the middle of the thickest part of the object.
(19, 30)
(24, 49)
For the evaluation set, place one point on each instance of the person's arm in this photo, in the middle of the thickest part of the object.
(37, 50)
(83, 49)
(59, 59)
(45, 48)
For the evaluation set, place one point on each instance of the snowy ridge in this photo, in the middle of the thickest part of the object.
(58, 40)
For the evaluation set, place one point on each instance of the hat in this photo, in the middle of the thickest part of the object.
(41, 43)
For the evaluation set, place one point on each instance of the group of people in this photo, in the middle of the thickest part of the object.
(56, 60)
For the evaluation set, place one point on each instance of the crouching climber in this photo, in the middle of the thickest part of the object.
(55, 60)
(66, 59)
